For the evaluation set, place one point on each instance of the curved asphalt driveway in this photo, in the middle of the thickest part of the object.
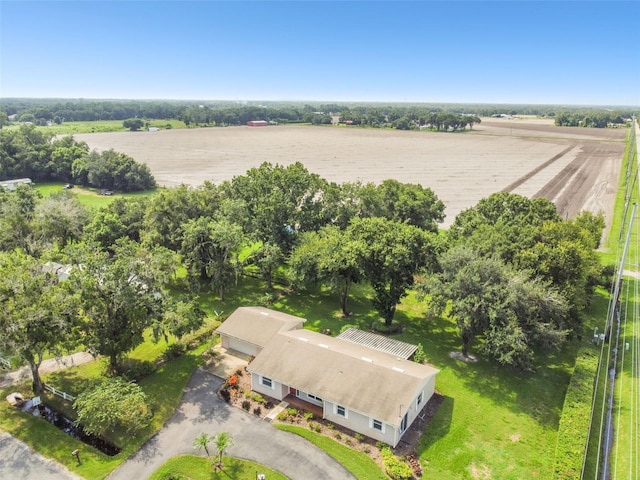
(254, 439)
(20, 461)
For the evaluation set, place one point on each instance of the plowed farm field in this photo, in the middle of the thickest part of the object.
(576, 168)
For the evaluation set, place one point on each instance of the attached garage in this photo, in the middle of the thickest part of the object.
(249, 329)
(242, 346)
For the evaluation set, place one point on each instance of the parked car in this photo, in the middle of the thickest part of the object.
(106, 192)
(68, 186)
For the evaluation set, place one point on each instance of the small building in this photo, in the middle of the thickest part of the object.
(257, 123)
(361, 381)
(153, 129)
(11, 185)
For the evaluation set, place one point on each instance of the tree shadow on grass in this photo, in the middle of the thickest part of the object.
(439, 425)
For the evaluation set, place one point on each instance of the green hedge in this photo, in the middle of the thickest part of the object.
(576, 413)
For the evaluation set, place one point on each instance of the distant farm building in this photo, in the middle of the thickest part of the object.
(153, 129)
(257, 123)
(11, 185)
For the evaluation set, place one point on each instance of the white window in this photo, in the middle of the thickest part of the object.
(340, 410)
(267, 382)
(419, 400)
(377, 425)
(313, 397)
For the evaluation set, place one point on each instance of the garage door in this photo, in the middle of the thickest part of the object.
(242, 346)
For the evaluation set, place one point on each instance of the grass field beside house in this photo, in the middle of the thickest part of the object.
(99, 126)
(89, 197)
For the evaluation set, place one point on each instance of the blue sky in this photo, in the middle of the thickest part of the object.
(549, 52)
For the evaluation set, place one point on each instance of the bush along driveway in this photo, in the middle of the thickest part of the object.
(201, 410)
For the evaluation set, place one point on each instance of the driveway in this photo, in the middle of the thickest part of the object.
(20, 461)
(254, 439)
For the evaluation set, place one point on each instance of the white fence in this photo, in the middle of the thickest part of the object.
(55, 391)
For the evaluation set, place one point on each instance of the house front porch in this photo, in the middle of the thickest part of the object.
(300, 404)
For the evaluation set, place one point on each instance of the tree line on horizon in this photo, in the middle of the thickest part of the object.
(227, 113)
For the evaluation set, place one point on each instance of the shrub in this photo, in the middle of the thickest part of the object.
(268, 405)
(381, 327)
(367, 450)
(283, 415)
(226, 395)
(419, 356)
(348, 442)
(338, 436)
(312, 426)
(256, 397)
(395, 467)
(134, 370)
(293, 412)
(359, 437)
(318, 427)
(174, 351)
(203, 334)
(330, 426)
(257, 411)
(574, 422)
(246, 405)
(239, 372)
(308, 415)
(115, 404)
(381, 445)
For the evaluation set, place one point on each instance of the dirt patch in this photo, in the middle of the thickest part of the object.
(456, 355)
(461, 168)
(482, 472)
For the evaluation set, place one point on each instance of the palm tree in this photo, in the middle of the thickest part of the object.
(202, 441)
(222, 442)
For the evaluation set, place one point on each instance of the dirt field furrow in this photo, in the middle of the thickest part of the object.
(512, 186)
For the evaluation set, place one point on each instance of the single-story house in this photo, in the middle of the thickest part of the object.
(357, 385)
(11, 185)
(248, 329)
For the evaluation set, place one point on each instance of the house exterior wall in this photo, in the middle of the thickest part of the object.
(359, 422)
(414, 409)
(277, 390)
(353, 420)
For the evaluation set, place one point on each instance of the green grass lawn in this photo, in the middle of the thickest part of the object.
(191, 467)
(358, 463)
(90, 197)
(100, 126)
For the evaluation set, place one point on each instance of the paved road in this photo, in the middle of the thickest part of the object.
(50, 365)
(19, 461)
(254, 439)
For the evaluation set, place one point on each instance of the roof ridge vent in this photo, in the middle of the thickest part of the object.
(303, 339)
(397, 369)
(323, 345)
(367, 359)
(266, 314)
